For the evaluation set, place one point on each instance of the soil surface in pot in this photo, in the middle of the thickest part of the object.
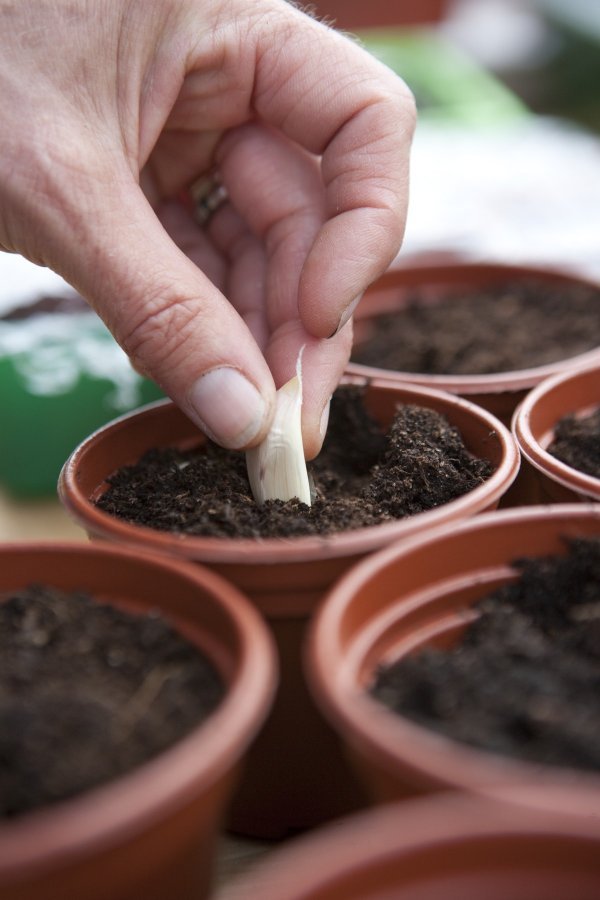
(87, 693)
(524, 680)
(69, 302)
(499, 328)
(577, 443)
(362, 477)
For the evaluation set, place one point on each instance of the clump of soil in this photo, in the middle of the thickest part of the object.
(577, 443)
(499, 328)
(87, 693)
(362, 477)
(525, 679)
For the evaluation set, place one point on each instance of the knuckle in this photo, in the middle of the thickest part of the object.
(400, 106)
(159, 329)
(408, 105)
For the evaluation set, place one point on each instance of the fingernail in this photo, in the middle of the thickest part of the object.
(324, 421)
(347, 314)
(228, 407)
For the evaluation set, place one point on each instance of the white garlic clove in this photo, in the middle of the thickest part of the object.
(277, 468)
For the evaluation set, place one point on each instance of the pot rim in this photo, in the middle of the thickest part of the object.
(491, 383)
(377, 837)
(298, 549)
(115, 811)
(530, 445)
(431, 757)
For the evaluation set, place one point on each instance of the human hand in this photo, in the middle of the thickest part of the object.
(110, 109)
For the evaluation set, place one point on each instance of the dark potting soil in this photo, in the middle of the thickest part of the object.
(577, 443)
(87, 693)
(500, 328)
(362, 477)
(525, 679)
(69, 302)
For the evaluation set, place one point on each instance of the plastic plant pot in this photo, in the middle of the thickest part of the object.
(152, 832)
(296, 776)
(421, 594)
(499, 393)
(355, 14)
(449, 847)
(570, 393)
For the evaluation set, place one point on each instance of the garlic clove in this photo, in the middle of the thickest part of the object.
(277, 468)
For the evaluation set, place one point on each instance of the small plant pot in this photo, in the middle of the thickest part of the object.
(450, 846)
(296, 776)
(421, 595)
(149, 833)
(354, 14)
(499, 392)
(574, 393)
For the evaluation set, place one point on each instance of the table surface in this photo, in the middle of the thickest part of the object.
(33, 520)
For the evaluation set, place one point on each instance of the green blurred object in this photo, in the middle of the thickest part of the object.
(62, 375)
(447, 83)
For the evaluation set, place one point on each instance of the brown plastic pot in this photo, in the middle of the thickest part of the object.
(419, 594)
(499, 393)
(296, 776)
(150, 833)
(449, 847)
(570, 393)
(356, 14)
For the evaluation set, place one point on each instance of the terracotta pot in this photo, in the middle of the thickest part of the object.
(356, 14)
(575, 392)
(420, 594)
(499, 393)
(296, 776)
(450, 847)
(150, 833)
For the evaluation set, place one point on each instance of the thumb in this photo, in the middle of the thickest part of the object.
(166, 314)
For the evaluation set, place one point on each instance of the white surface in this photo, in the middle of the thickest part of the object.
(22, 281)
(526, 192)
(500, 34)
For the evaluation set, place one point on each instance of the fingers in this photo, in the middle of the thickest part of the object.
(334, 99)
(179, 155)
(322, 182)
(276, 188)
(243, 259)
(330, 210)
(323, 363)
(193, 241)
(247, 268)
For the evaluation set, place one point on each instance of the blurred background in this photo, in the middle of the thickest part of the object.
(506, 159)
(505, 166)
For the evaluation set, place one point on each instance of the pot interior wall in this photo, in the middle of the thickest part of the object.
(423, 595)
(578, 394)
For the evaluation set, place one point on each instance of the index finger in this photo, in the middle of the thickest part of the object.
(334, 98)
